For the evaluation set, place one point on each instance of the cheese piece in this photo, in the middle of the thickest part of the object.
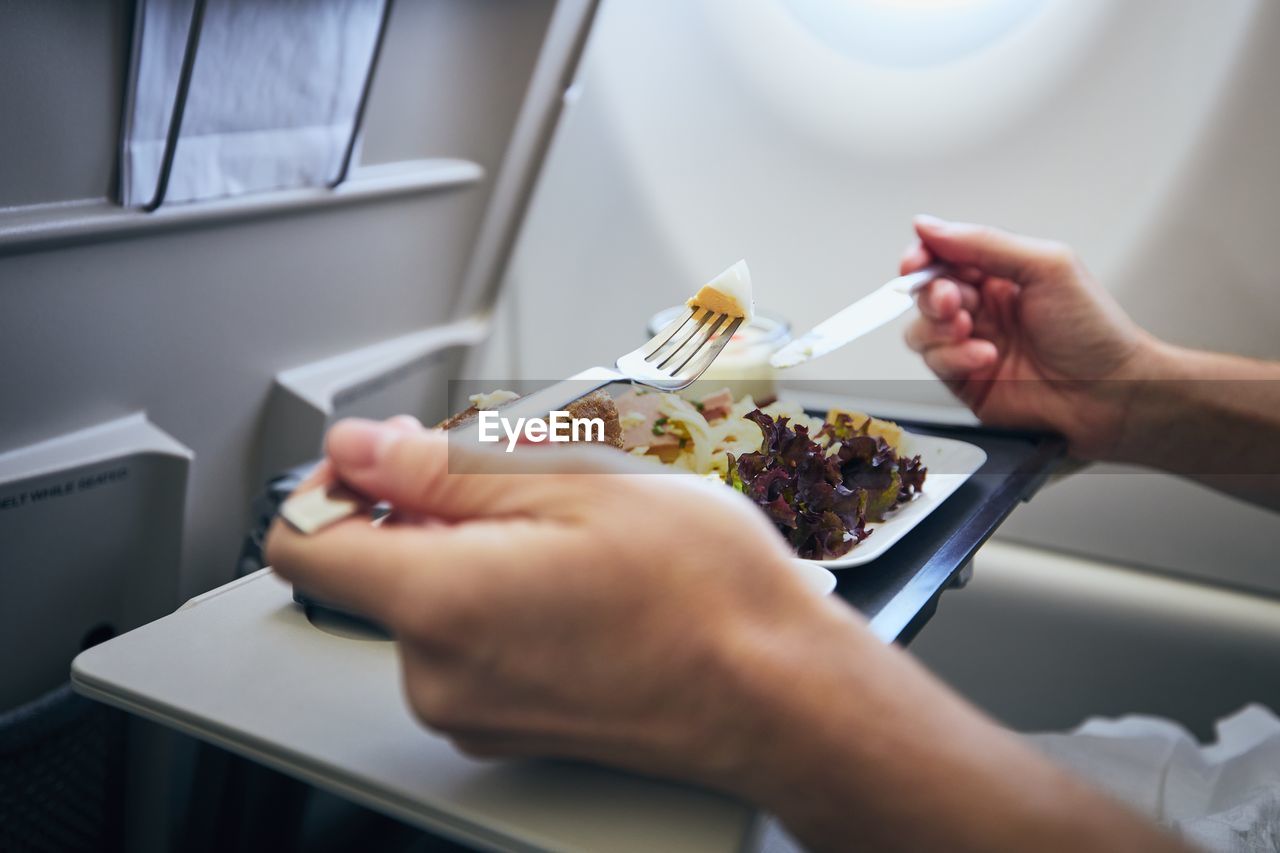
(888, 430)
(728, 293)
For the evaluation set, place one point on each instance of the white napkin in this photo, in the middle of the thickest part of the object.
(272, 100)
(1221, 797)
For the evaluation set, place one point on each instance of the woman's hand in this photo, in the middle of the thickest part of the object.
(1025, 336)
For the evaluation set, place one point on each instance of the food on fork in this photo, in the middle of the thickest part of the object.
(728, 293)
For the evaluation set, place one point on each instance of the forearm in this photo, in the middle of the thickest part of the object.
(1214, 418)
(871, 751)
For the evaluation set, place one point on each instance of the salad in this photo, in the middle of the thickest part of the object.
(819, 481)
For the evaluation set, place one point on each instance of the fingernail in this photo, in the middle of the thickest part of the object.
(926, 220)
(358, 443)
(406, 423)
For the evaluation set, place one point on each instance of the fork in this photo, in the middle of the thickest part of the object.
(671, 360)
(674, 358)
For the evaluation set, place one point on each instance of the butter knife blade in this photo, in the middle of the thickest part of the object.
(869, 313)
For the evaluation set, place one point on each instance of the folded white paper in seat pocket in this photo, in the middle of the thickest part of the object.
(272, 99)
(1223, 797)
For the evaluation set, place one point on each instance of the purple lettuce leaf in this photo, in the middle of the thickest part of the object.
(821, 501)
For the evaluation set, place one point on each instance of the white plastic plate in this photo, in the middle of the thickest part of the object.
(817, 578)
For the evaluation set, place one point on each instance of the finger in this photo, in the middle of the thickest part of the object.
(379, 570)
(406, 423)
(957, 361)
(966, 274)
(970, 297)
(1000, 305)
(924, 333)
(943, 298)
(421, 473)
(430, 581)
(352, 564)
(940, 300)
(322, 473)
(914, 257)
(412, 472)
(992, 250)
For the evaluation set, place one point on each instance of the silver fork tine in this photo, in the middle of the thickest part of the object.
(676, 356)
(668, 358)
(681, 356)
(668, 332)
(678, 340)
(702, 359)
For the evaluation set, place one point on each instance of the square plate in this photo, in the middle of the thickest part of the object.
(950, 463)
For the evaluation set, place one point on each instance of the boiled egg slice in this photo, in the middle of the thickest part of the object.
(728, 293)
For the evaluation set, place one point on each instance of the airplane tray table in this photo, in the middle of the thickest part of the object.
(243, 668)
(899, 591)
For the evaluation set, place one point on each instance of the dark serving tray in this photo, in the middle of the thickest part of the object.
(899, 591)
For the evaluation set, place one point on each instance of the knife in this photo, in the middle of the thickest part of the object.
(870, 312)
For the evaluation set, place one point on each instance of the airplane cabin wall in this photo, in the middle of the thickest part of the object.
(189, 314)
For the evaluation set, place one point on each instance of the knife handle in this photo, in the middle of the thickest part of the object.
(912, 283)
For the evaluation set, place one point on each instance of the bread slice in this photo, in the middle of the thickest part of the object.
(458, 419)
(599, 404)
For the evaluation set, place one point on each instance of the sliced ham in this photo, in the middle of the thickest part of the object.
(716, 406)
(638, 414)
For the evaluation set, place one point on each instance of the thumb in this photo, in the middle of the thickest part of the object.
(411, 471)
(420, 472)
(992, 250)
